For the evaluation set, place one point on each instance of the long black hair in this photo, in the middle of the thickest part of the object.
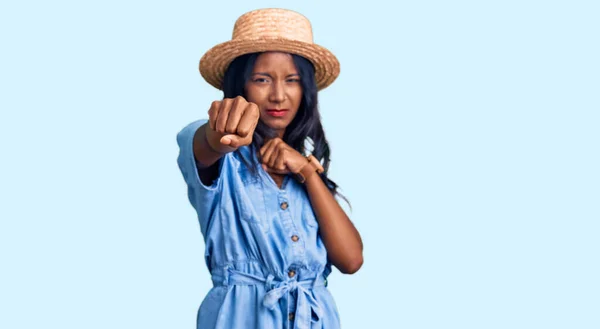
(306, 123)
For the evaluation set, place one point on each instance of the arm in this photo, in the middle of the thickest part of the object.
(230, 126)
(205, 154)
(206, 157)
(342, 240)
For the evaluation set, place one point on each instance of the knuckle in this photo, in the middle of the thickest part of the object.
(243, 131)
(226, 102)
(235, 102)
(238, 108)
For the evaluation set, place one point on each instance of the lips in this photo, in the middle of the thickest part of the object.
(277, 112)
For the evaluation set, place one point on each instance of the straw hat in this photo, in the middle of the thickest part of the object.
(270, 30)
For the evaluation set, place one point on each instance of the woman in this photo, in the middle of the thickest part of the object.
(268, 214)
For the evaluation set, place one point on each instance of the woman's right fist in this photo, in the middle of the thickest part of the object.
(231, 123)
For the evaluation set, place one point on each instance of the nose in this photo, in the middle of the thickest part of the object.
(277, 93)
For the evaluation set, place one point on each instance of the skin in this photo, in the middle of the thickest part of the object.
(275, 84)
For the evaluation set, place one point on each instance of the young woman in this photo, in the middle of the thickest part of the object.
(256, 172)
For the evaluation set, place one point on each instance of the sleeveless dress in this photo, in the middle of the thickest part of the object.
(268, 264)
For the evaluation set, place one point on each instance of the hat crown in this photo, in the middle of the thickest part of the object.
(273, 24)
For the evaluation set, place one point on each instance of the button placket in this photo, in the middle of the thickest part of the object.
(285, 213)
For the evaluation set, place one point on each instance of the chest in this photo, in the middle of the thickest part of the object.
(278, 179)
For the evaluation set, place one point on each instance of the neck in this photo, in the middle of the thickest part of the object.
(281, 133)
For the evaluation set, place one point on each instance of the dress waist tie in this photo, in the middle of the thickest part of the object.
(276, 289)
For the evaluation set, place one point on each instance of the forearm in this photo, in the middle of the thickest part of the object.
(342, 240)
(205, 155)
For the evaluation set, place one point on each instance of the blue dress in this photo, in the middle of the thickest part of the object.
(268, 264)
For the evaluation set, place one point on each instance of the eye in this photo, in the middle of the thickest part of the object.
(260, 80)
(294, 80)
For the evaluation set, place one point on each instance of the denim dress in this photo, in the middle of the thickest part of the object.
(267, 261)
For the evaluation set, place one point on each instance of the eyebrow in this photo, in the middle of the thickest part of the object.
(268, 75)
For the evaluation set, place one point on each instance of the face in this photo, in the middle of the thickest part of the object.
(275, 87)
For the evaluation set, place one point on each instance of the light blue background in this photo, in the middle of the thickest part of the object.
(466, 135)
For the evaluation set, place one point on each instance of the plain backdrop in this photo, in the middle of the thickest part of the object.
(465, 134)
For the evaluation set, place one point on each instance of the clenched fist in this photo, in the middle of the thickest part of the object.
(280, 158)
(231, 124)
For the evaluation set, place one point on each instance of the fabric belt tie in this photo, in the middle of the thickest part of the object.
(305, 302)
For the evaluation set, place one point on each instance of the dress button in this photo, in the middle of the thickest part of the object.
(295, 238)
(291, 316)
(284, 205)
(291, 273)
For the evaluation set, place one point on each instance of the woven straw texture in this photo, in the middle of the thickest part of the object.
(270, 30)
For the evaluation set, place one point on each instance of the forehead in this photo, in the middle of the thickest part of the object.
(274, 62)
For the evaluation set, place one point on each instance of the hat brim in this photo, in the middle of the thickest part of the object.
(214, 63)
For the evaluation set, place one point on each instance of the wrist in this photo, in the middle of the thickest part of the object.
(212, 140)
(312, 179)
(312, 168)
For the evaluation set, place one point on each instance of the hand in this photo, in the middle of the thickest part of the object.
(231, 124)
(280, 158)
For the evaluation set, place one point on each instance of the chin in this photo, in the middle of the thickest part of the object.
(277, 127)
(276, 124)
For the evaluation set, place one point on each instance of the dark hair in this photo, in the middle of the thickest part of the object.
(306, 123)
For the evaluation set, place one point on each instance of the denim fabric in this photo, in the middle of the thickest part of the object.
(250, 253)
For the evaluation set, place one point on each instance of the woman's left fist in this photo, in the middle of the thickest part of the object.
(280, 158)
